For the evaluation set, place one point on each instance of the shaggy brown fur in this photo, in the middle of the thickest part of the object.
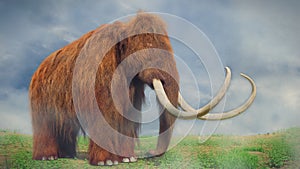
(54, 120)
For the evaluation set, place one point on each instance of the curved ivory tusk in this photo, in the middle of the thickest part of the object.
(165, 102)
(205, 109)
(190, 113)
(236, 111)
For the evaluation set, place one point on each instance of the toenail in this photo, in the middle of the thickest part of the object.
(101, 163)
(125, 160)
(133, 159)
(109, 162)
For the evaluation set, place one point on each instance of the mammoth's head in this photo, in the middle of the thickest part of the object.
(151, 54)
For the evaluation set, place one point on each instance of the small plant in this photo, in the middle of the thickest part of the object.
(237, 159)
(279, 153)
(253, 149)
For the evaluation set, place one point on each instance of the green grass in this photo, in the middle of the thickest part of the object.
(276, 150)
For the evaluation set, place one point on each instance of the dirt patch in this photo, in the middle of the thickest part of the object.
(3, 160)
(291, 164)
(256, 153)
(82, 155)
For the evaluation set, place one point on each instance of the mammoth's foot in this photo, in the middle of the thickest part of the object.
(129, 160)
(154, 153)
(48, 153)
(100, 156)
(45, 148)
(103, 157)
(109, 162)
(49, 158)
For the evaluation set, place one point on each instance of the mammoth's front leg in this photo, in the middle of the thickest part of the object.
(112, 140)
(166, 121)
(100, 156)
(113, 147)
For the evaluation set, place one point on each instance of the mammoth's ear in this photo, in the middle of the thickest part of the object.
(121, 50)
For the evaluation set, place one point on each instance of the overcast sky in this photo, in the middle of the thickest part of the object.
(260, 38)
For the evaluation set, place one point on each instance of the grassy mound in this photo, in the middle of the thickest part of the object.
(276, 150)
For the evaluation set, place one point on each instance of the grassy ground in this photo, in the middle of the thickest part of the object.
(275, 150)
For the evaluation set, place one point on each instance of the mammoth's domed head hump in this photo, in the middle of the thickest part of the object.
(147, 23)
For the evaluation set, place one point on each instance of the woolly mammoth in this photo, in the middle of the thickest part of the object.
(97, 82)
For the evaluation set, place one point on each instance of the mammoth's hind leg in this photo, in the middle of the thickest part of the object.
(67, 140)
(45, 145)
